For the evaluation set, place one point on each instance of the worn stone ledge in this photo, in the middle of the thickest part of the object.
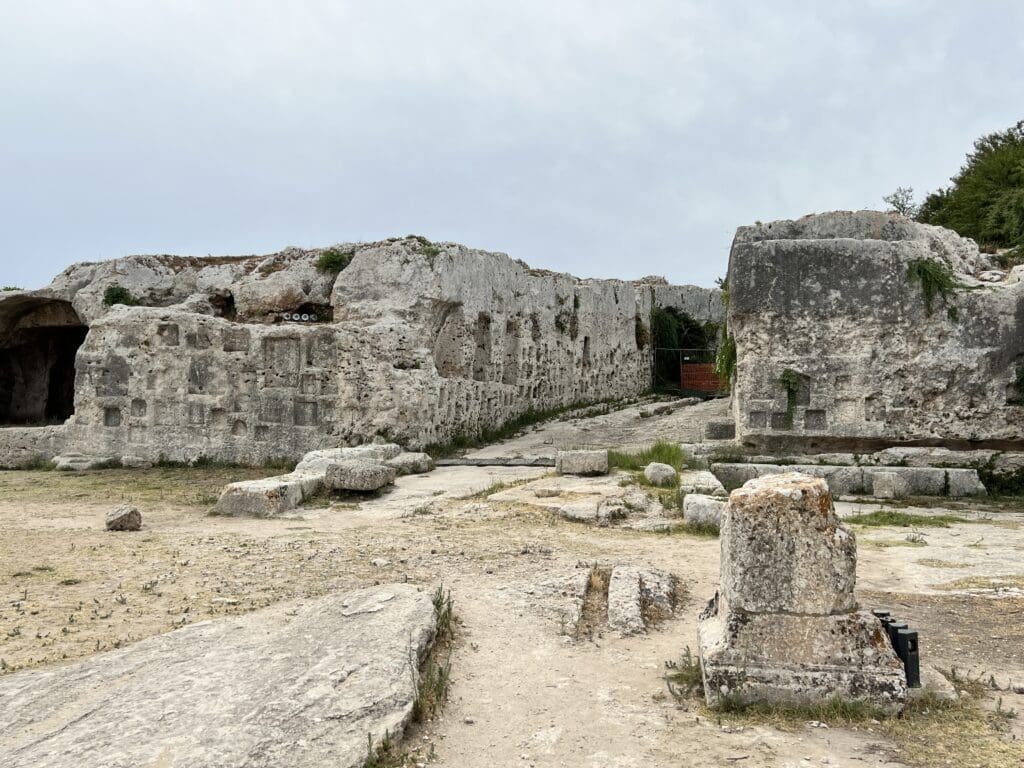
(498, 461)
(860, 481)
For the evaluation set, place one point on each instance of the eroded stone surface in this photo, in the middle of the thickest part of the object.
(661, 475)
(784, 550)
(784, 624)
(293, 685)
(358, 475)
(855, 480)
(700, 509)
(700, 481)
(825, 302)
(411, 463)
(582, 462)
(271, 496)
(253, 358)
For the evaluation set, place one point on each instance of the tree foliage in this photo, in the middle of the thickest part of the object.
(902, 201)
(986, 198)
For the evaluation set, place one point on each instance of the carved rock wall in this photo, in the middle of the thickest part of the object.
(415, 342)
(828, 299)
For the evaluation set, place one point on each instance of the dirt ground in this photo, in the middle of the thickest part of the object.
(525, 691)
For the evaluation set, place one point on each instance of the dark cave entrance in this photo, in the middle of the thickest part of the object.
(38, 342)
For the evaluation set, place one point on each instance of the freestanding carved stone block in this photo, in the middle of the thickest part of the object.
(784, 625)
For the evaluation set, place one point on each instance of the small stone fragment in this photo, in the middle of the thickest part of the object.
(703, 510)
(661, 475)
(124, 518)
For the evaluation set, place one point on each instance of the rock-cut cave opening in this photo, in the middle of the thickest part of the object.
(38, 342)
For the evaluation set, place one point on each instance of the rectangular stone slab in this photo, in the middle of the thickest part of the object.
(298, 684)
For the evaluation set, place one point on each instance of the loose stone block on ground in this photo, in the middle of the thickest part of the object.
(358, 475)
(581, 462)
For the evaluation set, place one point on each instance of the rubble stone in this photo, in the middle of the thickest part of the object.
(661, 475)
(699, 509)
(124, 518)
(270, 496)
(358, 475)
(411, 463)
(581, 462)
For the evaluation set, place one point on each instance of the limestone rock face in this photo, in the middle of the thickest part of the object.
(257, 358)
(124, 518)
(581, 462)
(838, 349)
(359, 475)
(661, 475)
(784, 625)
(292, 685)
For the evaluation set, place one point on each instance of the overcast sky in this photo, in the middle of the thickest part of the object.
(607, 139)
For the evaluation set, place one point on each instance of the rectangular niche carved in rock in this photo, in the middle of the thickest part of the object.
(168, 334)
(235, 339)
(281, 354)
(814, 420)
(306, 413)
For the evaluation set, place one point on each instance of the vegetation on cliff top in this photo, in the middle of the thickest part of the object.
(985, 200)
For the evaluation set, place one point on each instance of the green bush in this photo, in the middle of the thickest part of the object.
(115, 294)
(725, 360)
(333, 260)
(10, 288)
(986, 198)
(935, 278)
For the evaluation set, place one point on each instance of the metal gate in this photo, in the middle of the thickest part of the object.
(687, 372)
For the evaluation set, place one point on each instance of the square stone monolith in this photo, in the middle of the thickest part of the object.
(785, 626)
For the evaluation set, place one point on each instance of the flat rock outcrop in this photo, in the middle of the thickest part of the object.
(293, 685)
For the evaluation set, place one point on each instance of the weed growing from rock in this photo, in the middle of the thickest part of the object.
(935, 279)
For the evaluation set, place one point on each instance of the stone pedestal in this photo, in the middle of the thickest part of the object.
(784, 625)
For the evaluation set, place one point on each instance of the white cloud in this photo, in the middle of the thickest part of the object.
(598, 137)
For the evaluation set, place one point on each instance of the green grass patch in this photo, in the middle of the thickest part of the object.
(700, 530)
(662, 452)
